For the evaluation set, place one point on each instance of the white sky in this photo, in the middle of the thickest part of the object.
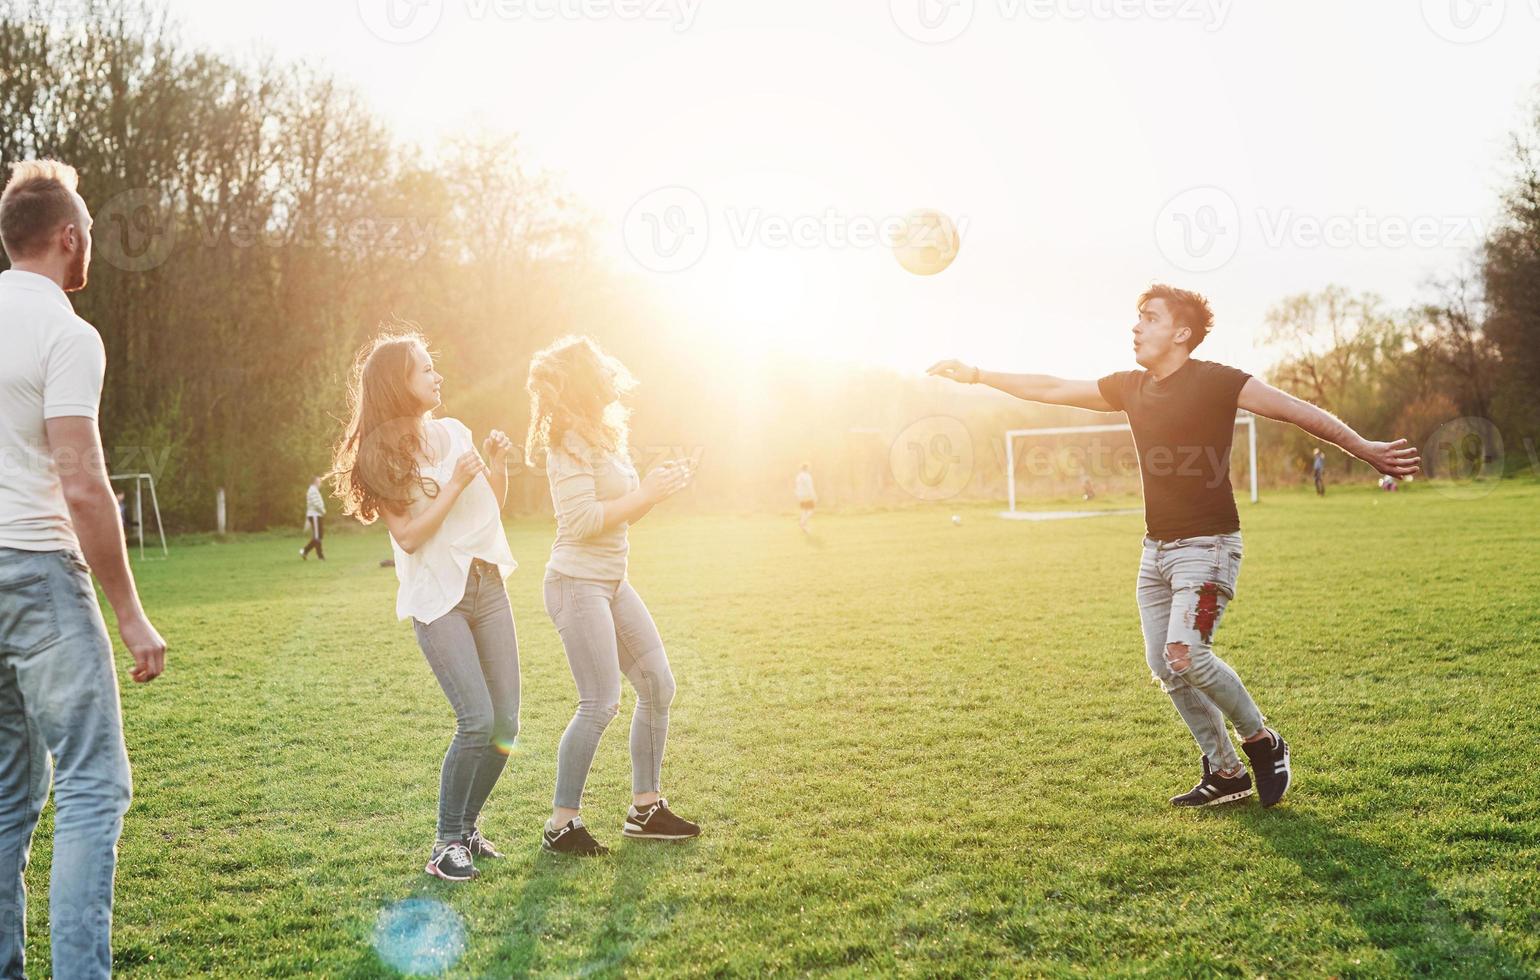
(1055, 132)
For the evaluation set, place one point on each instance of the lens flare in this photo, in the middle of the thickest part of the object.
(419, 936)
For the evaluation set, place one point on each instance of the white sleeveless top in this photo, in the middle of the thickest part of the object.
(433, 579)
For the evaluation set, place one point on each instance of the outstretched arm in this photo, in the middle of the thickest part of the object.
(1043, 388)
(1397, 458)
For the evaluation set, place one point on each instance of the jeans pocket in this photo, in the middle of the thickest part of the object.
(28, 619)
(1228, 564)
(555, 595)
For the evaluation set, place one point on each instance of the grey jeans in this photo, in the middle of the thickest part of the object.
(58, 711)
(607, 630)
(1184, 587)
(474, 652)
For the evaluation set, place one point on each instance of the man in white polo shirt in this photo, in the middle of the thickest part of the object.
(58, 522)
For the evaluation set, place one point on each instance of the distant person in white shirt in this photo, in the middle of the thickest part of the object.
(443, 505)
(59, 522)
(315, 513)
(807, 497)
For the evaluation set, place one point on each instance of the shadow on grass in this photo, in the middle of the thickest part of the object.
(1398, 909)
(633, 912)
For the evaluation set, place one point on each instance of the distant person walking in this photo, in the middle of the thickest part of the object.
(579, 428)
(1318, 468)
(315, 514)
(59, 522)
(443, 505)
(807, 497)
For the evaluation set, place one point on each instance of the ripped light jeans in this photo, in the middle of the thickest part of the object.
(1184, 587)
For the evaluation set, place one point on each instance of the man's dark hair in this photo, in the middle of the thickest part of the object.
(1188, 309)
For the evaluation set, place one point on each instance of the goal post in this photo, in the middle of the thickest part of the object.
(142, 480)
(1245, 419)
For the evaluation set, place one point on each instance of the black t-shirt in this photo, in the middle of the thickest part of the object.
(1183, 426)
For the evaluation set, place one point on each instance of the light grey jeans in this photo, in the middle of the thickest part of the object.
(59, 722)
(607, 630)
(474, 652)
(1184, 587)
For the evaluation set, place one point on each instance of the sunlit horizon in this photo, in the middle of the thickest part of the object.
(1058, 142)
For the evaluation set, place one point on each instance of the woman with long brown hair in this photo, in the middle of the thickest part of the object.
(578, 428)
(443, 506)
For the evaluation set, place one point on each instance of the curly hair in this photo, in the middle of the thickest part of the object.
(574, 386)
(375, 464)
(1188, 309)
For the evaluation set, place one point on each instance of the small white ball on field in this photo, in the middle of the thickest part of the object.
(957, 519)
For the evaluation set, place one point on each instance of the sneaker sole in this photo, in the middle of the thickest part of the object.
(441, 876)
(626, 831)
(1288, 778)
(1231, 798)
(548, 849)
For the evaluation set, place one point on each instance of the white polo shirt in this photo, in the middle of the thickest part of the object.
(51, 367)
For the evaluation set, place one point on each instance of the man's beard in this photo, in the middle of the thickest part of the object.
(75, 276)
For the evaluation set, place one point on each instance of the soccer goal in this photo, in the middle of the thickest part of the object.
(136, 509)
(1245, 419)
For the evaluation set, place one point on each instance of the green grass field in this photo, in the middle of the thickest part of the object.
(916, 749)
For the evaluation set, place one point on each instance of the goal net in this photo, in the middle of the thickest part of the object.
(133, 508)
(1242, 419)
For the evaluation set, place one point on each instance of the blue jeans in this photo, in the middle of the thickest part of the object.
(474, 652)
(58, 709)
(606, 630)
(1184, 587)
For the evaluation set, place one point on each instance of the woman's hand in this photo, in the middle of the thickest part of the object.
(467, 468)
(497, 446)
(665, 481)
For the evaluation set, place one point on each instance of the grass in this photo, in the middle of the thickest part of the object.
(916, 749)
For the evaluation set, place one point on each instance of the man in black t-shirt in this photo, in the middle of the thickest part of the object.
(1182, 413)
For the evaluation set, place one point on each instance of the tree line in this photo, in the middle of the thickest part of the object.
(255, 222)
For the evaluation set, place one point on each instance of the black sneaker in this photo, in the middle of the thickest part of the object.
(452, 863)
(1270, 760)
(480, 847)
(658, 822)
(572, 838)
(1214, 789)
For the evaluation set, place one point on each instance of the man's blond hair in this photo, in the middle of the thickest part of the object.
(38, 200)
